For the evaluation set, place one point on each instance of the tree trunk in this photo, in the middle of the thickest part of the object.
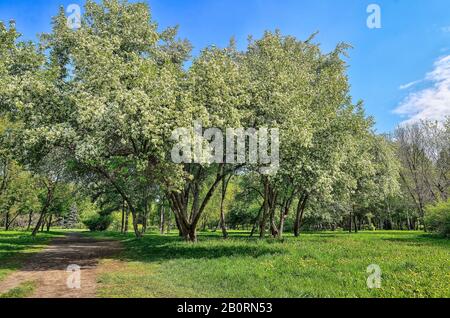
(49, 222)
(255, 223)
(127, 214)
(162, 219)
(7, 221)
(299, 215)
(39, 222)
(266, 208)
(273, 202)
(284, 211)
(122, 227)
(223, 227)
(30, 218)
(350, 223)
(355, 222)
(179, 203)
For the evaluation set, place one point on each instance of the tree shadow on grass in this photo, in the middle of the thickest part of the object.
(156, 248)
(422, 240)
(17, 247)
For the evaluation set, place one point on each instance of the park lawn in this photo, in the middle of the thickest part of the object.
(16, 246)
(331, 264)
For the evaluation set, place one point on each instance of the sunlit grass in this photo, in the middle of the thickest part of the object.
(16, 246)
(331, 264)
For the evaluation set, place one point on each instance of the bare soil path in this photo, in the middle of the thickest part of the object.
(48, 268)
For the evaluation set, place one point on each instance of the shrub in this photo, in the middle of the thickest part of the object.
(437, 218)
(98, 223)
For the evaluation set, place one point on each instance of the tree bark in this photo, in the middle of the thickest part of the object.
(299, 215)
(265, 212)
(30, 218)
(225, 182)
(255, 223)
(122, 227)
(162, 219)
(44, 209)
(49, 222)
(179, 204)
(7, 221)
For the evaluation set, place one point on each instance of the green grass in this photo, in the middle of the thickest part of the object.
(332, 264)
(23, 290)
(16, 246)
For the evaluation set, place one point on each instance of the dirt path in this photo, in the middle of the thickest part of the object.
(48, 268)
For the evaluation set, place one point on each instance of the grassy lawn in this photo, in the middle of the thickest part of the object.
(331, 264)
(16, 246)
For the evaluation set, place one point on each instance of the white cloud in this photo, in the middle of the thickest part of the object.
(432, 103)
(445, 29)
(408, 85)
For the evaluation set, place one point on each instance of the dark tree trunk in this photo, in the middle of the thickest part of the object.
(30, 218)
(49, 222)
(49, 198)
(273, 226)
(39, 223)
(350, 223)
(256, 222)
(179, 203)
(284, 211)
(127, 214)
(162, 219)
(225, 182)
(266, 210)
(122, 227)
(7, 221)
(299, 215)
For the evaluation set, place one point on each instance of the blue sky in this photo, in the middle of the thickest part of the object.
(401, 71)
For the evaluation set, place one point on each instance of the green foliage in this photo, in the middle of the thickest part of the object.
(92, 111)
(437, 218)
(98, 223)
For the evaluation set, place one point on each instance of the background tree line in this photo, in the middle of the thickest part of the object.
(87, 116)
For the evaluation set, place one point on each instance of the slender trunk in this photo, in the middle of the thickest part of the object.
(49, 222)
(39, 223)
(162, 219)
(134, 216)
(273, 227)
(350, 223)
(266, 208)
(299, 215)
(30, 218)
(7, 221)
(255, 223)
(145, 217)
(122, 227)
(284, 211)
(127, 214)
(222, 202)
